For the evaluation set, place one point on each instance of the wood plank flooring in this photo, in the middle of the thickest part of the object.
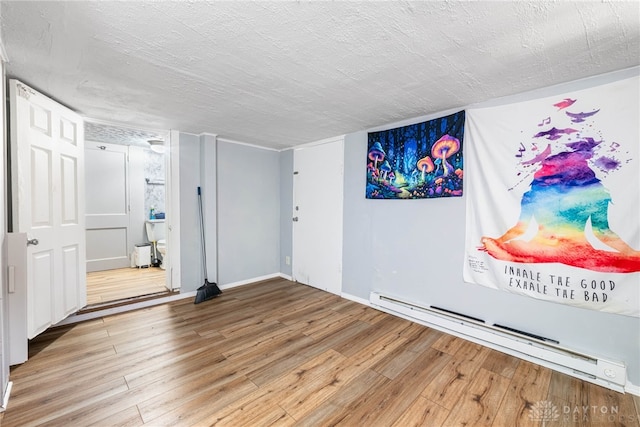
(280, 353)
(123, 283)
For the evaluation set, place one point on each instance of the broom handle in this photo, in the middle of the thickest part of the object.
(204, 248)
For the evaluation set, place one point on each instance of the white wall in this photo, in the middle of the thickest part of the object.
(208, 183)
(190, 256)
(153, 166)
(418, 254)
(248, 212)
(241, 199)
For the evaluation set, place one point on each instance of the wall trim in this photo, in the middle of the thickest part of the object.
(320, 142)
(286, 277)
(279, 150)
(249, 281)
(354, 298)
(415, 120)
(231, 141)
(632, 389)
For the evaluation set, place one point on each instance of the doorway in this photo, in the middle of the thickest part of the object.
(124, 182)
(47, 215)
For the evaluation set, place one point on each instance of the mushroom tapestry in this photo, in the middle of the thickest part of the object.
(418, 161)
(553, 202)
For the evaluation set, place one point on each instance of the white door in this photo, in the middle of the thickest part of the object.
(107, 206)
(47, 195)
(317, 215)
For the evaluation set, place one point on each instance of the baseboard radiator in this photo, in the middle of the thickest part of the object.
(540, 350)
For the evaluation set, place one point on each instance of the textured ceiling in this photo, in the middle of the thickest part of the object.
(278, 74)
(122, 135)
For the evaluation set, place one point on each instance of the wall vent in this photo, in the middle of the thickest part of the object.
(455, 313)
(534, 348)
(527, 334)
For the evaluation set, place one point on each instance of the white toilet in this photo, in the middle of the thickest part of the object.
(156, 235)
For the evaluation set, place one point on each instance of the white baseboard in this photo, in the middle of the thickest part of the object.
(632, 389)
(249, 281)
(356, 299)
(285, 276)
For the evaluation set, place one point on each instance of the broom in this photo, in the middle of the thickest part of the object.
(209, 290)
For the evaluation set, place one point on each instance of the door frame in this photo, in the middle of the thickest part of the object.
(5, 347)
(172, 197)
(172, 203)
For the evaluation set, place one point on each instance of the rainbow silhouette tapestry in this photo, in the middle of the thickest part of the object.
(553, 206)
(418, 161)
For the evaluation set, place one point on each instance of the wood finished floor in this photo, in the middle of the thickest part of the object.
(279, 353)
(124, 283)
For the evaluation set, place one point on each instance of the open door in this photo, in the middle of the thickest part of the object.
(47, 203)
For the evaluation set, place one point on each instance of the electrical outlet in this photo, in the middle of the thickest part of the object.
(287, 260)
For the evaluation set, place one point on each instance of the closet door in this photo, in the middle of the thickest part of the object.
(317, 216)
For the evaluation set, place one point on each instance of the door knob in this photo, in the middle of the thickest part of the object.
(295, 219)
(33, 242)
